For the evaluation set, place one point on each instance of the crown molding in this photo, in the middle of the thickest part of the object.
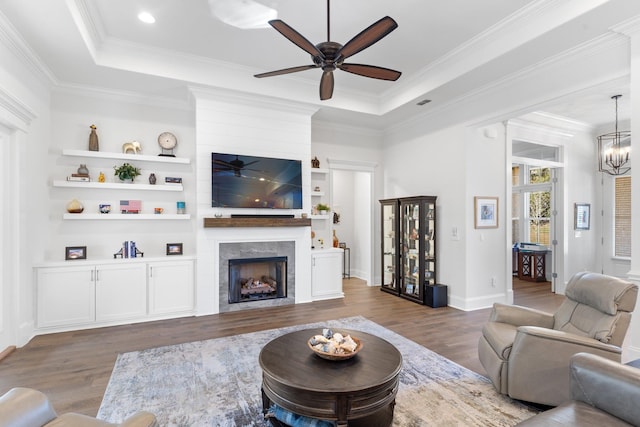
(522, 26)
(19, 114)
(14, 41)
(540, 128)
(591, 48)
(345, 128)
(251, 100)
(630, 27)
(128, 97)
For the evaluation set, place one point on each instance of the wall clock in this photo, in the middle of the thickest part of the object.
(167, 142)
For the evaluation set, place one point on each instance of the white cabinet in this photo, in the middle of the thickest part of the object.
(121, 292)
(326, 274)
(65, 296)
(171, 287)
(113, 292)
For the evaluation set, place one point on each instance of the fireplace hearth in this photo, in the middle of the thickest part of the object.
(255, 279)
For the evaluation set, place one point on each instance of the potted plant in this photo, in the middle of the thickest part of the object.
(126, 172)
(322, 208)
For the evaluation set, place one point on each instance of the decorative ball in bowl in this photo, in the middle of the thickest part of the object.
(332, 345)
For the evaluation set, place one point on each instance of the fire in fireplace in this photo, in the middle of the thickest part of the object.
(256, 279)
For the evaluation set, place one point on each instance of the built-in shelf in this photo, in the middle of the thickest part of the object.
(118, 186)
(317, 193)
(116, 216)
(321, 216)
(257, 222)
(319, 171)
(126, 156)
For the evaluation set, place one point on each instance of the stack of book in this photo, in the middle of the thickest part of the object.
(82, 177)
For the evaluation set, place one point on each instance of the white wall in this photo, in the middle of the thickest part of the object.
(24, 115)
(119, 118)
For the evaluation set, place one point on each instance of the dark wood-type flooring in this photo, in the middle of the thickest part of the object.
(73, 368)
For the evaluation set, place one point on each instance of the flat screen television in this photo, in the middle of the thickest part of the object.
(239, 181)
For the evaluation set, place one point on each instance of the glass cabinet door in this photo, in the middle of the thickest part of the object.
(429, 243)
(389, 245)
(411, 266)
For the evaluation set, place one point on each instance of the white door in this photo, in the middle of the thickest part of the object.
(121, 291)
(171, 287)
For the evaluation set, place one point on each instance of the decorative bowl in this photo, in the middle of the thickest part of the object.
(336, 356)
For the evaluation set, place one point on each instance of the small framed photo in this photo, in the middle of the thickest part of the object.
(174, 248)
(485, 212)
(581, 216)
(75, 252)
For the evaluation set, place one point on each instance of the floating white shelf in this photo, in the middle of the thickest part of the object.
(317, 193)
(321, 216)
(118, 186)
(117, 216)
(123, 156)
(319, 171)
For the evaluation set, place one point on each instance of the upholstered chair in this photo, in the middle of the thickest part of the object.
(526, 352)
(603, 393)
(25, 407)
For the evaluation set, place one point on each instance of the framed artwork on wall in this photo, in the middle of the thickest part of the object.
(581, 216)
(485, 212)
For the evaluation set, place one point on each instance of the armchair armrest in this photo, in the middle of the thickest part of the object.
(521, 316)
(539, 363)
(606, 385)
(140, 419)
(25, 407)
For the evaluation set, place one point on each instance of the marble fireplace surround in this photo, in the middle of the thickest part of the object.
(243, 250)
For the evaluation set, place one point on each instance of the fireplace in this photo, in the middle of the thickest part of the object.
(255, 279)
(247, 253)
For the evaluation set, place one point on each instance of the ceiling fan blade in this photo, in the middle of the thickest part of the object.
(295, 37)
(326, 85)
(367, 37)
(371, 71)
(286, 71)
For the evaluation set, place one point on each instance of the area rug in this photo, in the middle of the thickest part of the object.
(217, 383)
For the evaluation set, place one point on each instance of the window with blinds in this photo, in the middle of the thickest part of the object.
(622, 217)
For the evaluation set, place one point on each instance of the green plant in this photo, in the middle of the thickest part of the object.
(322, 207)
(126, 171)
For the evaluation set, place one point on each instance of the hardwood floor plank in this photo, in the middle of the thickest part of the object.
(73, 368)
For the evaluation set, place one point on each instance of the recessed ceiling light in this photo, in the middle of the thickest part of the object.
(146, 17)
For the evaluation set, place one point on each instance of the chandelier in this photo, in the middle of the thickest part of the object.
(614, 148)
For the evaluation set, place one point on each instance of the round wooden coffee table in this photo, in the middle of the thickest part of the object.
(362, 388)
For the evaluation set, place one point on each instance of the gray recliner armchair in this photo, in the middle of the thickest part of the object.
(26, 407)
(603, 393)
(526, 352)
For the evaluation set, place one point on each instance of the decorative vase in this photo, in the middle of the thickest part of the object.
(336, 241)
(152, 179)
(82, 170)
(93, 139)
(74, 206)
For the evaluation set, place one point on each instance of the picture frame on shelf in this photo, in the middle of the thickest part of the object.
(581, 216)
(75, 252)
(485, 212)
(174, 248)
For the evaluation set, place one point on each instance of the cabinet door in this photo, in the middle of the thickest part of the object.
(389, 245)
(326, 275)
(171, 287)
(65, 296)
(411, 286)
(121, 291)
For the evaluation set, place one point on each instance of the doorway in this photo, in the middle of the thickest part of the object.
(353, 222)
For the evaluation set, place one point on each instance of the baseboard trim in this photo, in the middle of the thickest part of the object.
(7, 351)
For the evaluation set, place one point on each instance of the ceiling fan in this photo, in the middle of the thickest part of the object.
(331, 55)
(235, 165)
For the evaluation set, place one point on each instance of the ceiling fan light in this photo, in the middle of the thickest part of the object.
(245, 14)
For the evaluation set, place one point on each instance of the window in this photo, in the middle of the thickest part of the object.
(531, 204)
(622, 217)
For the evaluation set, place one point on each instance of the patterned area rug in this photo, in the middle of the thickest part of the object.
(217, 383)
